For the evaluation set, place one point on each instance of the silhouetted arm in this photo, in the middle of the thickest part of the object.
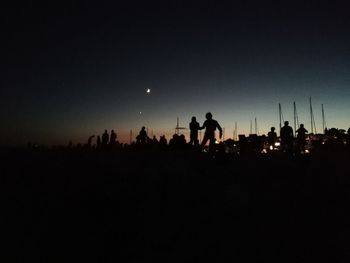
(220, 129)
(202, 127)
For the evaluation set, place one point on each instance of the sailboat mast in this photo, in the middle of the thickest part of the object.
(324, 125)
(295, 116)
(236, 131)
(312, 126)
(280, 114)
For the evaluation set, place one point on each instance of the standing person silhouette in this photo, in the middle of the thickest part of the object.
(301, 137)
(272, 137)
(105, 139)
(286, 137)
(113, 139)
(142, 137)
(194, 128)
(210, 126)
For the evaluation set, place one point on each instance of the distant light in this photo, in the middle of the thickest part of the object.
(277, 143)
(148, 91)
(307, 151)
(140, 112)
(264, 151)
(271, 147)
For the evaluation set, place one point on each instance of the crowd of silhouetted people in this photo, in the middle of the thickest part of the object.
(288, 143)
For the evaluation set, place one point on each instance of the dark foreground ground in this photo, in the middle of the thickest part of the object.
(60, 206)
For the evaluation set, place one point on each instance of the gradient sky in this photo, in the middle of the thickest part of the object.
(69, 72)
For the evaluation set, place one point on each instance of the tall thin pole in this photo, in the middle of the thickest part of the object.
(251, 127)
(280, 114)
(313, 124)
(236, 131)
(295, 116)
(130, 136)
(311, 119)
(256, 127)
(177, 126)
(323, 120)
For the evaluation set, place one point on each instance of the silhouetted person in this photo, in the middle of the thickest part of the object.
(301, 137)
(272, 137)
(286, 137)
(98, 142)
(113, 139)
(210, 126)
(142, 137)
(162, 142)
(105, 139)
(194, 128)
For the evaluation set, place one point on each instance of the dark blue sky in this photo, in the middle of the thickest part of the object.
(73, 71)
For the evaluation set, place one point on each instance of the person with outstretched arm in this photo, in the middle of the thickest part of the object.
(210, 126)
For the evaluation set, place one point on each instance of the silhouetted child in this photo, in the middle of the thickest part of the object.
(272, 137)
(301, 137)
(286, 137)
(194, 128)
(210, 126)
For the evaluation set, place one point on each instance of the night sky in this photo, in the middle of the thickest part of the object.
(69, 72)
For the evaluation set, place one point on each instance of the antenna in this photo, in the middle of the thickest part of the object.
(256, 127)
(251, 127)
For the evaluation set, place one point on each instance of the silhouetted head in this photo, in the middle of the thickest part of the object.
(273, 128)
(105, 131)
(301, 125)
(286, 123)
(143, 128)
(208, 116)
(112, 131)
(193, 119)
